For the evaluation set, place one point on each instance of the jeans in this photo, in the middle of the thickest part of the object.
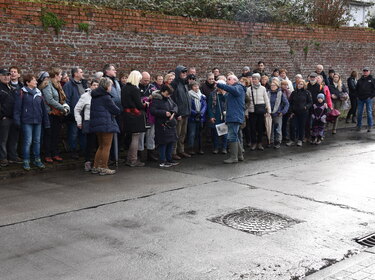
(165, 152)
(194, 132)
(75, 133)
(361, 105)
(102, 154)
(256, 127)
(233, 129)
(181, 129)
(215, 140)
(298, 124)
(31, 135)
(276, 134)
(9, 133)
(246, 132)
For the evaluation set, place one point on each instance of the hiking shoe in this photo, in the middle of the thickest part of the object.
(276, 146)
(299, 143)
(216, 151)
(176, 157)
(38, 163)
(4, 163)
(57, 158)
(318, 142)
(290, 143)
(253, 147)
(95, 170)
(260, 147)
(106, 171)
(173, 163)
(165, 164)
(135, 164)
(88, 166)
(16, 160)
(26, 165)
(224, 151)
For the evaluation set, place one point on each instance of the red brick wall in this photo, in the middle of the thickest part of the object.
(139, 40)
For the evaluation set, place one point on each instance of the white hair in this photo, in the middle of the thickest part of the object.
(134, 78)
(234, 77)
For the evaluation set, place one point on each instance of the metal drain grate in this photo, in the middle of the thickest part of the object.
(368, 240)
(255, 221)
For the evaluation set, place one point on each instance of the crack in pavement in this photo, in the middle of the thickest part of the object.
(103, 204)
(343, 206)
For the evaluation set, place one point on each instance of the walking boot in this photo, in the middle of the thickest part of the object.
(233, 153)
(38, 163)
(26, 165)
(240, 152)
(151, 155)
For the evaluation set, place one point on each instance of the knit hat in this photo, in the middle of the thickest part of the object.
(322, 96)
(42, 75)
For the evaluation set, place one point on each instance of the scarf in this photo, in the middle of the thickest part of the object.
(256, 86)
(58, 87)
(197, 99)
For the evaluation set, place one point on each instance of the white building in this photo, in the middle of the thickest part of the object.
(361, 11)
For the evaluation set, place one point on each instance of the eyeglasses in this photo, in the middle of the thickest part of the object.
(365, 70)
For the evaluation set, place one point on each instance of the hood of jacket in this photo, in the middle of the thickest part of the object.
(98, 92)
(178, 71)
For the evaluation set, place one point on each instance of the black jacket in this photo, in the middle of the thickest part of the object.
(207, 88)
(300, 101)
(165, 129)
(314, 90)
(7, 100)
(181, 95)
(325, 77)
(365, 87)
(134, 114)
(352, 83)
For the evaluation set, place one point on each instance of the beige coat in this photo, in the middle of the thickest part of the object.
(260, 96)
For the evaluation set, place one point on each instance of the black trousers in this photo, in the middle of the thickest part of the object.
(256, 127)
(353, 106)
(52, 136)
(297, 126)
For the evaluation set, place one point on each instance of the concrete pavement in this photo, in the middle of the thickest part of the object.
(150, 223)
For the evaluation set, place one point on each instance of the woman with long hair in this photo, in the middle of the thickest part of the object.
(134, 115)
(339, 95)
(352, 83)
(57, 108)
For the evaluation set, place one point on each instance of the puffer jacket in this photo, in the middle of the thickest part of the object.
(83, 104)
(300, 101)
(102, 112)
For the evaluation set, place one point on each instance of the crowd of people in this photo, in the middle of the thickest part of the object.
(172, 117)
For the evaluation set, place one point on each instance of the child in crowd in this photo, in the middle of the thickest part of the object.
(197, 118)
(319, 115)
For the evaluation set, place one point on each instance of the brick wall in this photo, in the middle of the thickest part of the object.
(139, 40)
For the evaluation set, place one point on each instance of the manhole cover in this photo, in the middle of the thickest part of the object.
(368, 240)
(255, 221)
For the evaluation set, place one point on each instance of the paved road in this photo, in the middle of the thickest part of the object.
(150, 223)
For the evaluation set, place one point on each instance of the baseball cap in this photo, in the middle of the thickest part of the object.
(313, 75)
(4, 72)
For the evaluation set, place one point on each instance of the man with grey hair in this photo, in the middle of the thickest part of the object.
(146, 88)
(246, 72)
(235, 115)
(319, 70)
(208, 86)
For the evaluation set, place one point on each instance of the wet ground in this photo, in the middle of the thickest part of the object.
(152, 223)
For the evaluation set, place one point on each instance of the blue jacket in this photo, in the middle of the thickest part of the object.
(235, 111)
(29, 108)
(72, 94)
(102, 112)
(194, 113)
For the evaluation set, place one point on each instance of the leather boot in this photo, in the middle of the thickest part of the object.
(233, 153)
(240, 152)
